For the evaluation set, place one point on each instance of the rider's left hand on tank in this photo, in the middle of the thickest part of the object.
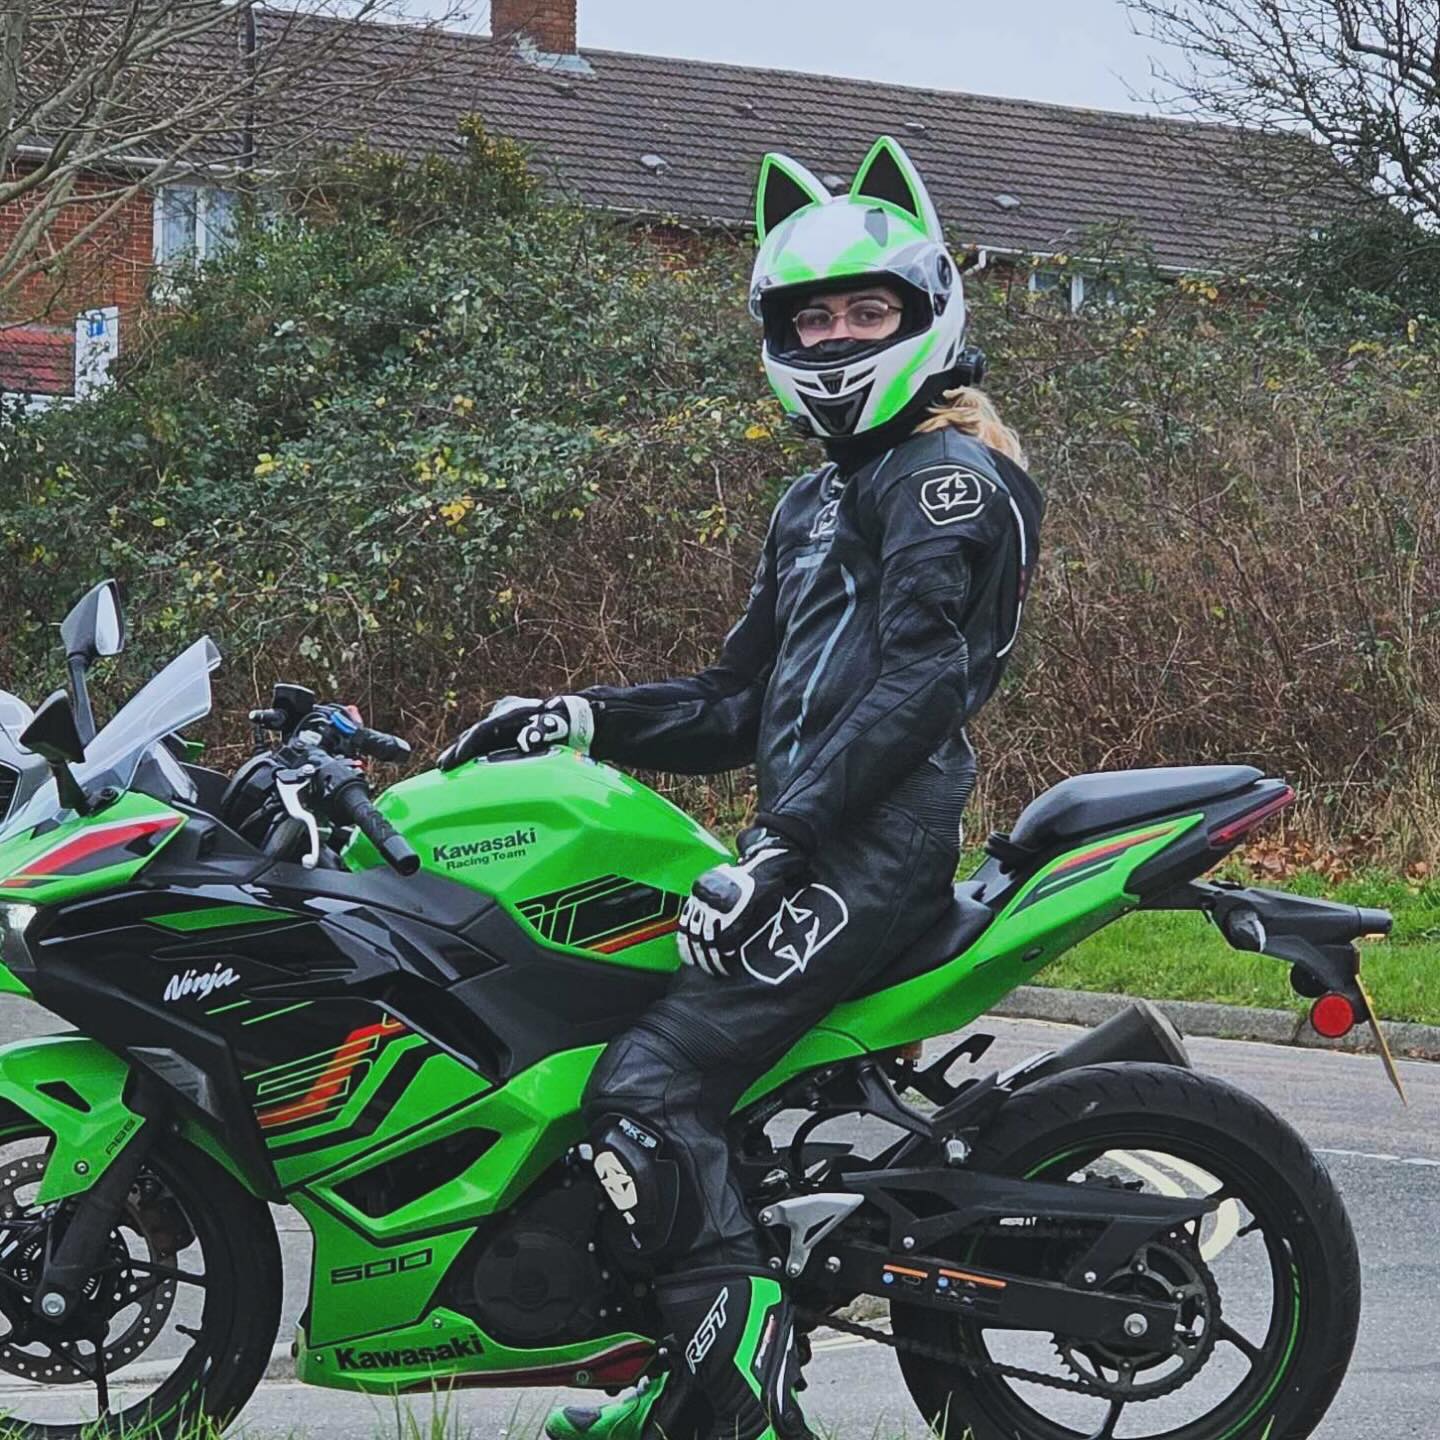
(730, 903)
(527, 726)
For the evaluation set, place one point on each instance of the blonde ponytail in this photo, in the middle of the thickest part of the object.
(973, 411)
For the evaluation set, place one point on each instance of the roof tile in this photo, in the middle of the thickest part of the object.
(1173, 180)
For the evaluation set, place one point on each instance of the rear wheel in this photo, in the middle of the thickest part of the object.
(1268, 1286)
(177, 1322)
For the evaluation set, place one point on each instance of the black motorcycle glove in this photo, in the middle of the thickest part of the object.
(730, 904)
(525, 725)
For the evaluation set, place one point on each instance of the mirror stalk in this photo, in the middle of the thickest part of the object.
(72, 793)
(84, 713)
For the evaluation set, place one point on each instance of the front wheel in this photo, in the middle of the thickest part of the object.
(1268, 1286)
(175, 1326)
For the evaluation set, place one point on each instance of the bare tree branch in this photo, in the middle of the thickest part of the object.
(101, 100)
(1361, 77)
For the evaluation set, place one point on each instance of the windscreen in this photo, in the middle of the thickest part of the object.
(178, 696)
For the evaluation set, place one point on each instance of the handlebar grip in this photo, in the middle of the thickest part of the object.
(351, 803)
(380, 746)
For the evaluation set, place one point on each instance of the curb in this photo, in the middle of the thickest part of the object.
(1219, 1022)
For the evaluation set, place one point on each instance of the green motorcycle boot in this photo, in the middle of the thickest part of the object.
(629, 1418)
(738, 1332)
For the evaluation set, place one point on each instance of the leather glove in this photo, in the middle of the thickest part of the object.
(731, 903)
(516, 723)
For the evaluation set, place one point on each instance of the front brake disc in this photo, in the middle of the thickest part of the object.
(119, 1288)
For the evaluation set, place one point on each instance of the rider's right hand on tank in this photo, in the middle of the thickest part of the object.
(527, 725)
(731, 903)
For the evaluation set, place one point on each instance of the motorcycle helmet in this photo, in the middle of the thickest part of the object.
(884, 231)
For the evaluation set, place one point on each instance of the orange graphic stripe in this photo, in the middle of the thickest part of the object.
(985, 1280)
(905, 1270)
(636, 937)
(1111, 848)
(331, 1080)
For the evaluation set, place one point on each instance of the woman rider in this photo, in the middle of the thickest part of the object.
(885, 603)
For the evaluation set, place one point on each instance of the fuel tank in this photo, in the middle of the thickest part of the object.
(585, 856)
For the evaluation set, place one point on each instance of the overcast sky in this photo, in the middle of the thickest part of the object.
(1070, 52)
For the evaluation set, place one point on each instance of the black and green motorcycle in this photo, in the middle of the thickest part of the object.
(383, 1014)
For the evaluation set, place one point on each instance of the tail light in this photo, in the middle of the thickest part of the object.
(1333, 1016)
(1238, 828)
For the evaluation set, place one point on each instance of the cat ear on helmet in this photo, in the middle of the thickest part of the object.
(888, 173)
(785, 187)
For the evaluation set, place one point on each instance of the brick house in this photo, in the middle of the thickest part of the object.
(42, 355)
(676, 141)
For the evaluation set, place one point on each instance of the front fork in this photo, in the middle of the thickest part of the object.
(72, 1261)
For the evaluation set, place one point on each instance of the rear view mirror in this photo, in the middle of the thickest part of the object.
(53, 734)
(96, 626)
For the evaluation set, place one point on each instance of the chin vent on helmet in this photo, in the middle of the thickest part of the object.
(838, 417)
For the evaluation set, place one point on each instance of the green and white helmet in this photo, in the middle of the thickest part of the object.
(884, 230)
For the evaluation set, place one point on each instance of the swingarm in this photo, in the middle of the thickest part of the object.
(998, 1300)
(1123, 1222)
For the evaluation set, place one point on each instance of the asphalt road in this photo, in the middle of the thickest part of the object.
(1386, 1160)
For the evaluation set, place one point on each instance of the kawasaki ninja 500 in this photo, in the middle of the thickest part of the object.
(384, 1014)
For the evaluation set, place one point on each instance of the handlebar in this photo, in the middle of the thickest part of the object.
(349, 803)
(337, 729)
(380, 746)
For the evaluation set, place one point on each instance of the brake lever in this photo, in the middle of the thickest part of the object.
(291, 785)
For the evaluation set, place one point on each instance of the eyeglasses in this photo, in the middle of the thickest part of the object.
(864, 319)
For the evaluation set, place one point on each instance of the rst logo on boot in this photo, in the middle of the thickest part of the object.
(468, 854)
(703, 1341)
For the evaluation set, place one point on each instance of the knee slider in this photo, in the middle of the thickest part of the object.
(641, 1178)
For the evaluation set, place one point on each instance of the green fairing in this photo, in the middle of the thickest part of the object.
(364, 1287)
(536, 1118)
(440, 1084)
(86, 1141)
(219, 917)
(382, 1364)
(12, 984)
(1024, 938)
(21, 850)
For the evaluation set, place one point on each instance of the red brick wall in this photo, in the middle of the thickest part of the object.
(37, 359)
(111, 268)
(550, 23)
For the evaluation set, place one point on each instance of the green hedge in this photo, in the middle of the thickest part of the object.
(431, 439)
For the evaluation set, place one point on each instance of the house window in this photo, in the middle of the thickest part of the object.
(1071, 284)
(192, 222)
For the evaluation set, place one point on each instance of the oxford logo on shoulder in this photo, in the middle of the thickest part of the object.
(955, 495)
(803, 926)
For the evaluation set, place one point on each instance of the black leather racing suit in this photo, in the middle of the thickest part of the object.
(884, 607)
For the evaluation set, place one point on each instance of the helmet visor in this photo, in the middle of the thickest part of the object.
(842, 320)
